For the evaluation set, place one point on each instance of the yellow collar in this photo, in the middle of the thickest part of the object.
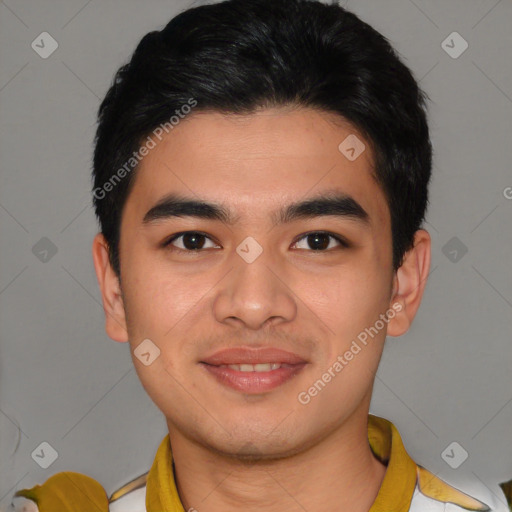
(399, 482)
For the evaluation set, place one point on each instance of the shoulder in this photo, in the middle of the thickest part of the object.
(131, 497)
(435, 495)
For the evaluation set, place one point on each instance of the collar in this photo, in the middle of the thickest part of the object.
(399, 482)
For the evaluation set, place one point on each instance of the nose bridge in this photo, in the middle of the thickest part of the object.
(253, 292)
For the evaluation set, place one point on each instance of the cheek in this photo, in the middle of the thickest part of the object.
(350, 303)
(349, 299)
(159, 300)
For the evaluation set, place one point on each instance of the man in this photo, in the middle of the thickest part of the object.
(261, 176)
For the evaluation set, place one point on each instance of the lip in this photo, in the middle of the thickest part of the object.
(253, 382)
(245, 355)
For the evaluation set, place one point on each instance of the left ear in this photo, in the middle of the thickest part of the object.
(409, 283)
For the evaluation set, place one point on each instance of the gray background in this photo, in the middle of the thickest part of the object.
(63, 381)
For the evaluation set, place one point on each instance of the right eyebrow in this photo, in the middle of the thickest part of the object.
(174, 205)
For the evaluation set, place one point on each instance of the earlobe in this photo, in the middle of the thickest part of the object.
(113, 306)
(409, 284)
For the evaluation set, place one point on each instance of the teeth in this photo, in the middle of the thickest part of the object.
(262, 367)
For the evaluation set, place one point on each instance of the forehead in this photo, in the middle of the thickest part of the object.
(259, 161)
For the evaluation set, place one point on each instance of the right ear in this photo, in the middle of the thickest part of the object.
(113, 306)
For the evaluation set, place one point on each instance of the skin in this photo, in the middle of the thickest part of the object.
(265, 452)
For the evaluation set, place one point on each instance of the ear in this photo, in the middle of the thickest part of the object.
(409, 283)
(115, 320)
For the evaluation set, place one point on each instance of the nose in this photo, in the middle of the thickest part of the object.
(255, 294)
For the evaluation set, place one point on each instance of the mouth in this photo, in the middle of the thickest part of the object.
(253, 371)
(260, 367)
(250, 379)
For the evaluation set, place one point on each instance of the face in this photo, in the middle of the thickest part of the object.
(308, 282)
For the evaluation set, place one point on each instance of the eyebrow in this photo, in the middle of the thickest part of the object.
(326, 204)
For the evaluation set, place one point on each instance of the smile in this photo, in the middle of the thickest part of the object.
(253, 379)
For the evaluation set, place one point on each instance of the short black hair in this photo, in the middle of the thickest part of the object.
(238, 56)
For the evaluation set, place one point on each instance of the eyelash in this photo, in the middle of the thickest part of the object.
(167, 243)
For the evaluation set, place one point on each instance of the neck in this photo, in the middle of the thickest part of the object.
(337, 473)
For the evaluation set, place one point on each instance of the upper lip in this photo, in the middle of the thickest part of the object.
(242, 355)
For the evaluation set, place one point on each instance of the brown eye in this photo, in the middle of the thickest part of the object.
(189, 241)
(321, 241)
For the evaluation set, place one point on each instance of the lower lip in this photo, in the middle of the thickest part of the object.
(253, 382)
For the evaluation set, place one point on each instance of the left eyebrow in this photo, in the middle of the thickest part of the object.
(332, 204)
(326, 204)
